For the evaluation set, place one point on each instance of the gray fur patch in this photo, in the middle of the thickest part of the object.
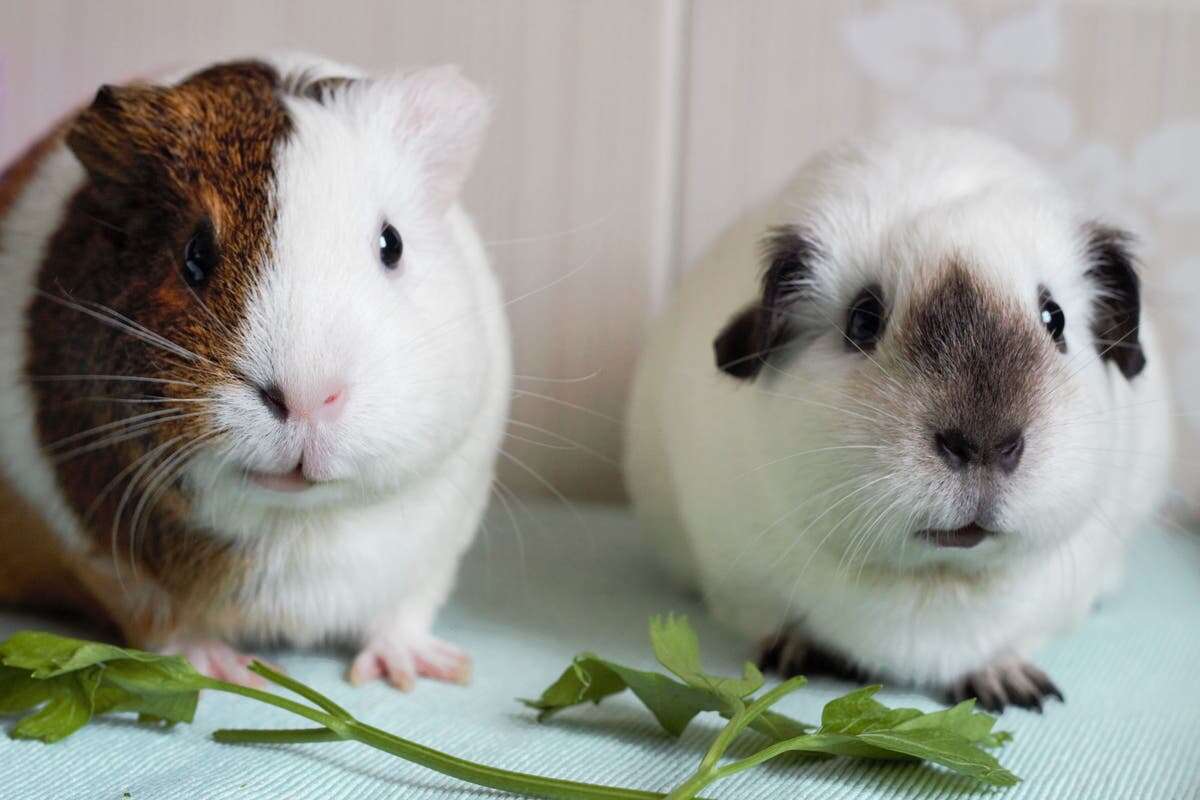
(982, 358)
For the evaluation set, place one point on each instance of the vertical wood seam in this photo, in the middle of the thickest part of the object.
(675, 65)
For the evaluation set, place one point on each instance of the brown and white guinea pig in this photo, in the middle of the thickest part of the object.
(254, 365)
(932, 420)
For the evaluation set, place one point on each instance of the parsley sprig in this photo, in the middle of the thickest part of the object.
(60, 684)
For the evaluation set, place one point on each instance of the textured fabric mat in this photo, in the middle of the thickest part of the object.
(526, 603)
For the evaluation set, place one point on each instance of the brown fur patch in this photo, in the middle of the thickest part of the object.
(161, 161)
(17, 174)
(981, 357)
(755, 334)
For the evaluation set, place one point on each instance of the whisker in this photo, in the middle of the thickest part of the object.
(536, 443)
(120, 322)
(741, 475)
(579, 379)
(570, 443)
(137, 431)
(567, 404)
(543, 482)
(120, 423)
(121, 378)
(145, 400)
(556, 235)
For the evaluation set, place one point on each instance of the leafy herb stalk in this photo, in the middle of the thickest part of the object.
(61, 684)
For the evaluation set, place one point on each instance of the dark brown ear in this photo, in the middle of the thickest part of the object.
(753, 334)
(1118, 301)
(123, 123)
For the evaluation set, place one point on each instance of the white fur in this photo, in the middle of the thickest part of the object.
(422, 354)
(722, 472)
(24, 232)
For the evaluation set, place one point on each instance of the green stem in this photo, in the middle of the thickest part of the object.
(759, 706)
(692, 786)
(708, 772)
(492, 777)
(283, 736)
(308, 693)
(811, 741)
(335, 724)
(352, 729)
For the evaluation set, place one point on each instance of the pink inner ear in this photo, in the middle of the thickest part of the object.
(442, 117)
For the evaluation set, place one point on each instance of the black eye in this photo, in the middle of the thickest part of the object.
(199, 256)
(865, 324)
(1054, 319)
(390, 246)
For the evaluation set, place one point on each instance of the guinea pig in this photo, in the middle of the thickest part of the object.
(254, 364)
(913, 445)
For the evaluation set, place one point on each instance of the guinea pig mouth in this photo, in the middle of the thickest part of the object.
(966, 536)
(289, 482)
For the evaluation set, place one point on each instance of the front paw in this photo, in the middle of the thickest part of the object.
(1008, 683)
(790, 653)
(400, 658)
(214, 658)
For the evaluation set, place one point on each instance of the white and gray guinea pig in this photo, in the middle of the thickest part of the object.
(904, 422)
(254, 365)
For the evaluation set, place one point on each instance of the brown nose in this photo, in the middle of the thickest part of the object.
(959, 451)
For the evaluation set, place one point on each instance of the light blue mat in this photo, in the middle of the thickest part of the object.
(525, 605)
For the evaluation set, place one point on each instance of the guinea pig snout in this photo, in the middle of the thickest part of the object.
(960, 450)
(325, 405)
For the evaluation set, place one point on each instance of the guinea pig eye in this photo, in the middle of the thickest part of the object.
(865, 324)
(1053, 318)
(390, 246)
(199, 256)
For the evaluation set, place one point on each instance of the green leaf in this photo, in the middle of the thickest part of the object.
(68, 709)
(69, 681)
(592, 679)
(586, 679)
(859, 712)
(47, 655)
(778, 727)
(673, 704)
(677, 648)
(20, 691)
(855, 725)
(859, 726)
(944, 747)
(963, 720)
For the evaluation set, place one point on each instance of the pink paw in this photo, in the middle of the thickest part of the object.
(217, 660)
(400, 661)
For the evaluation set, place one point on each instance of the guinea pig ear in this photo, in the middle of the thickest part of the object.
(442, 120)
(1118, 300)
(753, 334)
(122, 122)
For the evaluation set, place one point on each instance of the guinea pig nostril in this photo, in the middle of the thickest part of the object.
(954, 448)
(272, 397)
(1008, 453)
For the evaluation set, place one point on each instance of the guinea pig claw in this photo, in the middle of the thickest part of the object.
(400, 662)
(790, 653)
(218, 660)
(1011, 683)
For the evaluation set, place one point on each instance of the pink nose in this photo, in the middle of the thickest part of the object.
(284, 406)
(331, 407)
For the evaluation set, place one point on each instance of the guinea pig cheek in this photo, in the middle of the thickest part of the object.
(1061, 480)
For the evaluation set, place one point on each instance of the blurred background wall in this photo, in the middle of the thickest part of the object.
(629, 133)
